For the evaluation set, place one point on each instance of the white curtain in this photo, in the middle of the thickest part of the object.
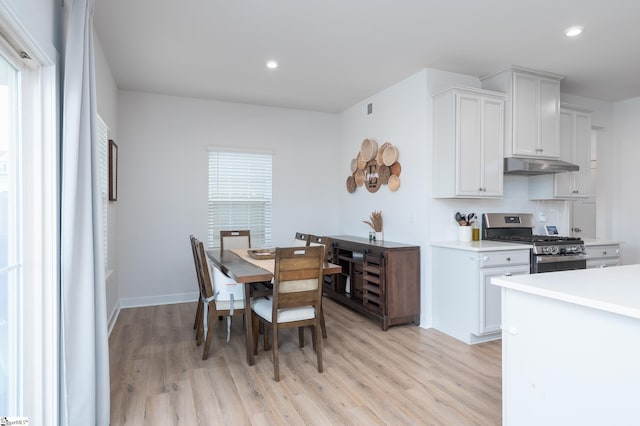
(84, 389)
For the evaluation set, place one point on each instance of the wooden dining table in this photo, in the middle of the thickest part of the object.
(238, 265)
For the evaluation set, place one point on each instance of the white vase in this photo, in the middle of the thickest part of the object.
(464, 233)
(379, 236)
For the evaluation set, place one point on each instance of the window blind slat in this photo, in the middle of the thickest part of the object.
(240, 194)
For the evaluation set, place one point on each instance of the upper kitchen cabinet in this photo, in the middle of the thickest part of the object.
(468, 143)
(532, 111)
(575, 147)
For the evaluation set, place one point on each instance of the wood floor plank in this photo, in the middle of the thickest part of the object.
(406, 375)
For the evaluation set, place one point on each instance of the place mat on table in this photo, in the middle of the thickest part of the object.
(267, 264)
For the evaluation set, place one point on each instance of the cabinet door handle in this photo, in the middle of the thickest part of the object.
(604, 253)
(508, 259)
(507, 274)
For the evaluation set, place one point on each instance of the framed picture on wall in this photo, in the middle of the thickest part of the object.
(113, 171)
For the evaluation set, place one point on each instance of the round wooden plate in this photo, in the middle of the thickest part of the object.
(394, 183)
(351, 184)
(396, 169)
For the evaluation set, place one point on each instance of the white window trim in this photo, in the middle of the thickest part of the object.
(41, 263)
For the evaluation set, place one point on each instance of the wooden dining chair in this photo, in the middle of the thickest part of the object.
(217, 298)
(194, 252)
(235, 239)
(296, 300)
(301, 240)
(325, 242)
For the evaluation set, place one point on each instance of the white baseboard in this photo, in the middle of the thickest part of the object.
(166, 299)
(138, 302)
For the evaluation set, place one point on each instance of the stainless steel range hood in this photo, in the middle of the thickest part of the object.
(536, 166)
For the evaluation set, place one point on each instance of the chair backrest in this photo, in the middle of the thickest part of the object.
(315, 240)
(196, 261)
(301, 240)
(235, 239)
(297, 278)
(206, 285)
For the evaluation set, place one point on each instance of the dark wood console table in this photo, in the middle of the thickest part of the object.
(380, 279)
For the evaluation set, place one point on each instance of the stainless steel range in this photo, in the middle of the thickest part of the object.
(549, 252)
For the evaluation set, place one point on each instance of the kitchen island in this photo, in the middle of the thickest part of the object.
(570, 347)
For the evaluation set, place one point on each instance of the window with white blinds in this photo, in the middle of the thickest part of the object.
(239, 194)
(103, 150)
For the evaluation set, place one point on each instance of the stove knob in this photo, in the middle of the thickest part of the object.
(553, 250)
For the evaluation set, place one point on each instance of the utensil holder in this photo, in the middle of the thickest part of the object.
(464, 233)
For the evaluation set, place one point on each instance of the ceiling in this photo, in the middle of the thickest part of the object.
(335, 53)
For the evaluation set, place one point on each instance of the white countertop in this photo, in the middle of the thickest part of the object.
(481, 245)
(615, 289)
(600, 242)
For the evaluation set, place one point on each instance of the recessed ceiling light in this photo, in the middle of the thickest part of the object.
(573, 31)
(272, 65)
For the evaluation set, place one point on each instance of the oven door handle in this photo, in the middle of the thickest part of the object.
(563, 258)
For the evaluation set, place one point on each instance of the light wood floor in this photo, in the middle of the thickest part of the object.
(406, 375)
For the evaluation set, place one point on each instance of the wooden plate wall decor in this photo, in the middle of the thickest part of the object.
(374, 166)
(371, 177)
(390, 155)
(383, 174)
(351, 184)
(394, 183)
(381, 152)
(360, 162)
(368, 149)
(395, 169)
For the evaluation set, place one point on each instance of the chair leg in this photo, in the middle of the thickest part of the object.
(318, 346)
(255, 325)
(301, 337)
(265, 337)
(209, 338)
(200, 329)
(198, 319)
(322, 325)
(314, 331)
(276, 363)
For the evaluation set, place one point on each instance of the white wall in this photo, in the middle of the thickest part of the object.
(107, 98)
(162, 193)
(399, 117)
(625, 177)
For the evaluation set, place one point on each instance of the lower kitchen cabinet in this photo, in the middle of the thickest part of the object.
(602, 256)
(465, 303)
(380, 279)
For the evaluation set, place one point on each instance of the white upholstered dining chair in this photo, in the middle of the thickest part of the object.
(220, 295)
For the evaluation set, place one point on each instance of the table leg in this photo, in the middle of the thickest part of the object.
(248, 329)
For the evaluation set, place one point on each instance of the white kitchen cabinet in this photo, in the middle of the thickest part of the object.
(465, 304)
(490, 296)
(532, 111)
(602, 256)
(575, 147)
(468, 143)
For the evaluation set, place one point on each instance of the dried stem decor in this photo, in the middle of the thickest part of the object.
(375, 221)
